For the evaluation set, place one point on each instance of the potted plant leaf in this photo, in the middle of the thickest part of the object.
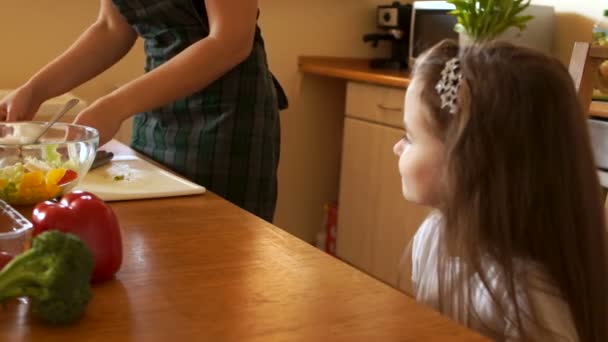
(481, 20)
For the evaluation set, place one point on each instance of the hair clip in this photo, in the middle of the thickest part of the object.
(448, 85)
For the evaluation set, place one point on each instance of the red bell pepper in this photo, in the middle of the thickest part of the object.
(92, 220)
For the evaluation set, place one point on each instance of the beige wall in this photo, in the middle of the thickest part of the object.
(574, 22)
(34, 31)
(309, 171)
(38, 30)
(312, 127)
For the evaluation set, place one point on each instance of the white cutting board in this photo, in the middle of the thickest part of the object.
(129, 178)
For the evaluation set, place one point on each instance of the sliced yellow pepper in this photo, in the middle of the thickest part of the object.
(36, 187)
(52, 190)
(54, 176)
(33, 188)
(32, 179)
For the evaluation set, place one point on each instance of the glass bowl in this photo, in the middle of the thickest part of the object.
(31, 173)
(15, 233)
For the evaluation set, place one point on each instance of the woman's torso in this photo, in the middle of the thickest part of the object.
(224, 136)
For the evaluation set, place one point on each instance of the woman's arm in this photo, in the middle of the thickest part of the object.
(103, 44)
(232, 30)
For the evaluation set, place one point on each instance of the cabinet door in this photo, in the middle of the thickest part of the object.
(375, 222)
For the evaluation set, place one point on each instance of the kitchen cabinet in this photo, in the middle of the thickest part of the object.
(375, 222)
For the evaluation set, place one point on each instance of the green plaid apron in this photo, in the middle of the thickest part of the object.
(226, 136)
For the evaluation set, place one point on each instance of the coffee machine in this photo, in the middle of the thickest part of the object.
(394, 22)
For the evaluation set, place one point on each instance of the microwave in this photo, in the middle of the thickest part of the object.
(431, 22)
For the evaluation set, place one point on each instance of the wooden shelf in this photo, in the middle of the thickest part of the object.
(353, 69)
(357, 69)
(599, 52)
(599, 109)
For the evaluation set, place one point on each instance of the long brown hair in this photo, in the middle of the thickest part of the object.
(520, 182)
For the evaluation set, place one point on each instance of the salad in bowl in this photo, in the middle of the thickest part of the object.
(34, 172)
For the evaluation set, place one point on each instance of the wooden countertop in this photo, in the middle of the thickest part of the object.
(599, 109)
(353, 69)
(357, 69)
(201, 269)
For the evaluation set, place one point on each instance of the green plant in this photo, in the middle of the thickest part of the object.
(54, 274)
(486, 19)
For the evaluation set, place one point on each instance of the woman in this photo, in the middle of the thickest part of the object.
(207, 106)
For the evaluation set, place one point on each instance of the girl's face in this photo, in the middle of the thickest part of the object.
(421, 153)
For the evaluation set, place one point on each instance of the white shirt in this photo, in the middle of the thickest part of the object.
(481, 313)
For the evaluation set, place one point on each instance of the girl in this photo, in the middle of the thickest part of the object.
(496, 141)
(208, 105)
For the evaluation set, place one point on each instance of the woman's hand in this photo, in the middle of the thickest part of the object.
(103, 44)
(20, 105)
(102, 116)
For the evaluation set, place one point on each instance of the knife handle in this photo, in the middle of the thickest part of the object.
(101, 158)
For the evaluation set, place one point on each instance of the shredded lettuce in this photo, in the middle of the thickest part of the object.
(52, 157)
(13, 173)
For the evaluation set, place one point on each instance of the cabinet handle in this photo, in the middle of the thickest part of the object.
(392, 109)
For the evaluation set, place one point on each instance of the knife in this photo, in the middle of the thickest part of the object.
(101, 158)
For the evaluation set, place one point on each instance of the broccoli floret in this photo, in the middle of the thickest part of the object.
(55, 274)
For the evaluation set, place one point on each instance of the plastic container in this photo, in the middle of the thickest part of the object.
(327, 237)
(15, 233)
(600, 37)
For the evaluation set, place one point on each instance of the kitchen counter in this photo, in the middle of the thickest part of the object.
(200, 268)
(354, 69)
